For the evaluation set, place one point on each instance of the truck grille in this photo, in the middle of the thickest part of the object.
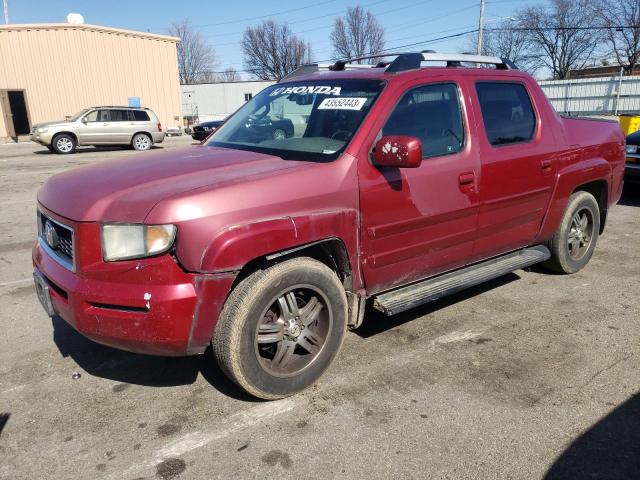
(57, 240)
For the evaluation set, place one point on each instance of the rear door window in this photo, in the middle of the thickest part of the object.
(507, 112)
(119, 115)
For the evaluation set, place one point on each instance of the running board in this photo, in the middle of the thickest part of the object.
(411, 296)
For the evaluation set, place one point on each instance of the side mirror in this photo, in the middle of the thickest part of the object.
(398, 151)
(84, 120)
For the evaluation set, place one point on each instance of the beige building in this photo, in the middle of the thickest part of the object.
(49, 71)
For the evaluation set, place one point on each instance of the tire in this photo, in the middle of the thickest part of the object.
(262, 345)
(50, 148)
(279, 134)
(141, 142)
(575, 240)
(64, 144)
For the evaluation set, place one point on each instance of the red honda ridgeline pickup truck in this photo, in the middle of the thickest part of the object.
(398, 184)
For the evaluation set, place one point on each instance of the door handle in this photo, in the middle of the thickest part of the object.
(467, 178)
(545, 164)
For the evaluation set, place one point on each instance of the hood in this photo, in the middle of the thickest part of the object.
(51, 124)
(126, 189)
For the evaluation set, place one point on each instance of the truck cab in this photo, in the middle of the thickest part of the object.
(392, 185)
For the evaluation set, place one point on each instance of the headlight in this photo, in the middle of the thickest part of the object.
(42, 130)
(206, 129)
(126, 241)
(631, 148)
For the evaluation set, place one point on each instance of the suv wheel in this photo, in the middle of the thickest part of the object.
(141, 142)
(575, 240)
(279, 134)
(63, 144)
(281, 328)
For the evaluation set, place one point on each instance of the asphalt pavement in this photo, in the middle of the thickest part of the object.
(531, 376)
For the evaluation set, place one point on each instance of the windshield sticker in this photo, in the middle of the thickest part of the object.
(325, 90)
(344, 103)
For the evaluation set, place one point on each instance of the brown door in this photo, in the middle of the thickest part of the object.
(16, 115)
(6, 113)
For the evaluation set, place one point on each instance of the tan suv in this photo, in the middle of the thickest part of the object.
(138, 128)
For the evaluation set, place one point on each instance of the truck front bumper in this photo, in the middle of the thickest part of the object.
(149, 306)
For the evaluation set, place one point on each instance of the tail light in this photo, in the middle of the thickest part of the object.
(159, 127)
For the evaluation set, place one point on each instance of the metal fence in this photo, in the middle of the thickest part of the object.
(594, 96)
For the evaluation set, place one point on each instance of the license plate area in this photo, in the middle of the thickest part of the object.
(42, 291)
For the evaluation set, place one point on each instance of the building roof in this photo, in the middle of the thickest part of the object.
(86, 27)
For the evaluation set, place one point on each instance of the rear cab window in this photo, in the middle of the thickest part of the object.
(507, 112)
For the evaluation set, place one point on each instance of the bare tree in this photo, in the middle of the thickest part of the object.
(622, 21)
(229, 75)
(562, 34)
(504, 41)
(358, 34)
(196, 58)
(271, 51)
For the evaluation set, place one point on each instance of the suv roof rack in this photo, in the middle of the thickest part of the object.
(404, 62)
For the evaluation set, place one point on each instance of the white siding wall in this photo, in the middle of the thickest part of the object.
(216, 101)
(593, 96)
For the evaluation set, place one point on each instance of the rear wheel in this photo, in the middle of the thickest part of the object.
(575, 240)
(281, 328)
(141, 142)
(63, 144)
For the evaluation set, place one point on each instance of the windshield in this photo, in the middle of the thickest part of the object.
(75, 117)
(313, 120)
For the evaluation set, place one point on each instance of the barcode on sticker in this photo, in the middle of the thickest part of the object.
(342, 103)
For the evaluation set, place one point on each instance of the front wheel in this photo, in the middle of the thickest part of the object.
(575, 240)
(64, 144)
(281, 328)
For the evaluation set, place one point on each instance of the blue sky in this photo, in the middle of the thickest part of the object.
(405, 21)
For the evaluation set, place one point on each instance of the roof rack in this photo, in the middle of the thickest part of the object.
(404, 62)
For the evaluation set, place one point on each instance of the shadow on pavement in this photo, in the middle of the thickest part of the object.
(608, 450)
(154, 371)
(81, 150)
(376, 322)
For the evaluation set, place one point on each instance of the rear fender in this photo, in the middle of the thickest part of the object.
(568, 179)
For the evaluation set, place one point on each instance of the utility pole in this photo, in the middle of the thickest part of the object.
(6, 11)
(480, 28)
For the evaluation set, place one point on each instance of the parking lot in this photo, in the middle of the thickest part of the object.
(529, 376)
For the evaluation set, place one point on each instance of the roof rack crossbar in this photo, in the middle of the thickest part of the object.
(404, 62)
(316, 67)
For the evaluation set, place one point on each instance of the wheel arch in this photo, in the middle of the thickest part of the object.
(600, 191)
(64, 132)
(148, 134)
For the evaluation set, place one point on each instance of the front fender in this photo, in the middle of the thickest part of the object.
(237, 245)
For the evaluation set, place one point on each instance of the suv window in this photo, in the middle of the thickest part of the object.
(119, 115)
(432, 114)
(507, 112)
(139, 115)
(92, 116)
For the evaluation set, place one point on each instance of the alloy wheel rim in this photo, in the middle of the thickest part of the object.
(580, 233)
(292, 331)
(64, 144)
(279, 135)
(142, 143)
